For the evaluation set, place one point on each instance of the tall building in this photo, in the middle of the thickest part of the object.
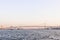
(1, 27)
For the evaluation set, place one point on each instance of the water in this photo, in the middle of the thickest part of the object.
(29, 34)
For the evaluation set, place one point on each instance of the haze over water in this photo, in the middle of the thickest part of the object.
(29, 12)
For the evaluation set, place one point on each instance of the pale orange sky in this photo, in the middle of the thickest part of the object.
(29, 12)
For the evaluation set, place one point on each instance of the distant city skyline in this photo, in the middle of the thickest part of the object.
(29, 12)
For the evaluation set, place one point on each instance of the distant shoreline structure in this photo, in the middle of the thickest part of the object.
(31, 27)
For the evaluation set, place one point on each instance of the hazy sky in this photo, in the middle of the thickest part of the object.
(29, 12)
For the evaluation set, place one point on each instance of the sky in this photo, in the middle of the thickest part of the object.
(29, 12)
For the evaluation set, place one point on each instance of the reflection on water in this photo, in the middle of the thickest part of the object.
(29, 34)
